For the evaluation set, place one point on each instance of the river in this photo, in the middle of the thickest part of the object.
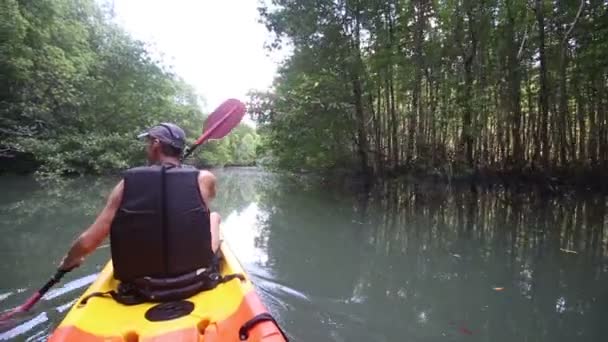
(407, 261)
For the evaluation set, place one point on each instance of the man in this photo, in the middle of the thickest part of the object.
(157, 216)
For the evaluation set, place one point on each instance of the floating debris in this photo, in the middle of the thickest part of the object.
(460, 326)
(465, 330)
(568, 251)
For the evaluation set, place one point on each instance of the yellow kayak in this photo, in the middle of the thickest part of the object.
(230, 312)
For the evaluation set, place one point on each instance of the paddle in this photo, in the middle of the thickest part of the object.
(218, 125)
(35, 297)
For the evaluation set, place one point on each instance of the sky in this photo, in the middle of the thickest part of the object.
(217, 46)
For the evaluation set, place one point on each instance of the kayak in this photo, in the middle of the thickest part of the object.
(232, 311)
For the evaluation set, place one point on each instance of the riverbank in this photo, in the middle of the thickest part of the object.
(554, 182)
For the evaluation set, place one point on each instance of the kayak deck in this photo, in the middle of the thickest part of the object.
(218, 314)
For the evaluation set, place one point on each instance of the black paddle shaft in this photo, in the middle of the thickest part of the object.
(54, 280)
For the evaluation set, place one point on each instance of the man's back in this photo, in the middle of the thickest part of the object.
(162, 227)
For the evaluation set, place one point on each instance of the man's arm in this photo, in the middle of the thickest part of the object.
(91, 238)
(207, 185)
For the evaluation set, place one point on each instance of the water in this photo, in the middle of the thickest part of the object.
(405, 262)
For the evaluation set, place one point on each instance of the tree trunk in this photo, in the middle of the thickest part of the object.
(564, 130)
(543, 99)
(415, 120)
(390, 91)
(603, 127)
(433, 115)
(582, 130)
(469, 58)
(514, 85)
(361, 129)
(356, 70)
(394, 135)
(391, 123)
(563, 107)
(377, 121)
(530, 135)
(592, 149)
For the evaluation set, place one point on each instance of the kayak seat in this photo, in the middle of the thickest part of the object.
(168, 290)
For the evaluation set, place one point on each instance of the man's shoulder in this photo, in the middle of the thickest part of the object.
(207, 184)
(205, 175)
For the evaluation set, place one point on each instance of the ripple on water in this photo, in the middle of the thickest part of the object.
(3, 296)
(63, 307)
(70, 286)
(41, 318)
(24, 327)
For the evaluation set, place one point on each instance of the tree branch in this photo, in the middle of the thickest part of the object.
(523, 42)
(525, 38)
(578, 14)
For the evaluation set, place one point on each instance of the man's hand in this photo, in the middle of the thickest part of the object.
(68, 265)
(91, 238)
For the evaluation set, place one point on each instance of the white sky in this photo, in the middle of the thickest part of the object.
(215, 45)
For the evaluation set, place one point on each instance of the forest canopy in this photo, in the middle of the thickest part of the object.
(441, 87)
(77, 89)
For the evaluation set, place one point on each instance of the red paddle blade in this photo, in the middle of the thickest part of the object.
(21, 308)
(9, 314)
(222, 120)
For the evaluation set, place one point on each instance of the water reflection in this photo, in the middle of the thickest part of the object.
(410, 259)
(245, 236)
(403, 261)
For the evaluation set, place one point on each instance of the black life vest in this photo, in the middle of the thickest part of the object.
(161, 240)
(162, 227)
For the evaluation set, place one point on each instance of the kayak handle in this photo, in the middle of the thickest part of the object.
(257, 319)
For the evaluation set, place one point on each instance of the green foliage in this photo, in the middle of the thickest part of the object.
(419, 84)
(306, 123)
(77, 90)
(237, 148)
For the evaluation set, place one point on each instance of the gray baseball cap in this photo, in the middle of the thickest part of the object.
(167, 133)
